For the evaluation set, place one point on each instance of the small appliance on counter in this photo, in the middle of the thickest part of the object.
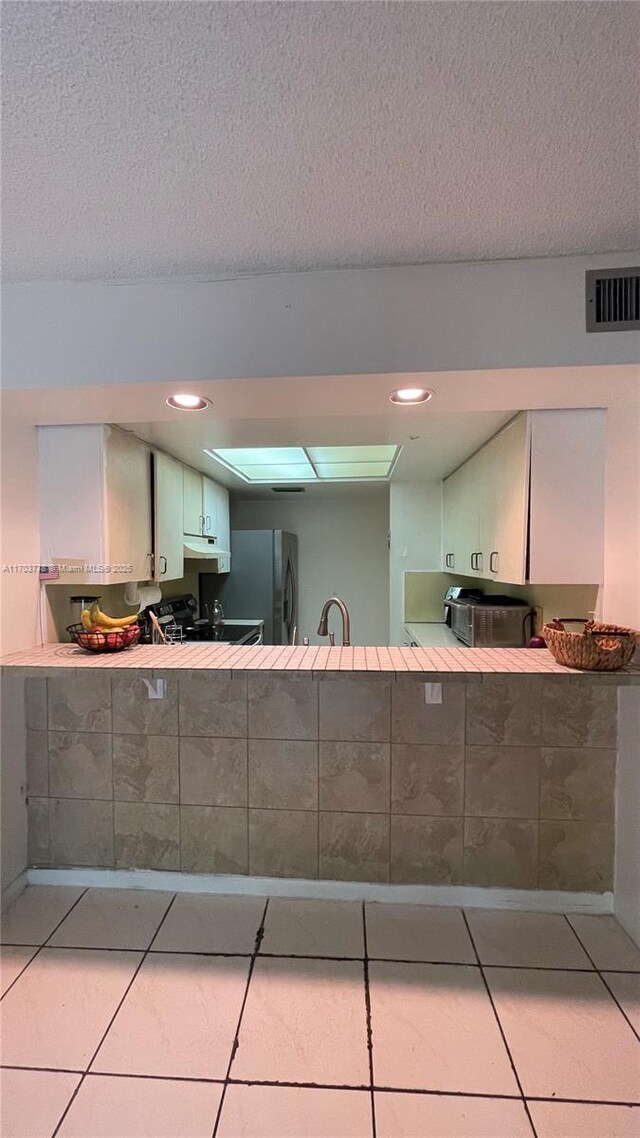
(178, 620)
(487, 621)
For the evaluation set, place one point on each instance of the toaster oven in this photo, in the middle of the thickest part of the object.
(490, 622)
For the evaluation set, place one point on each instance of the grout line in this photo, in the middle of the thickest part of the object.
(367, 1004)
(500, 1027)
(44, 942)
(236, 1040)
(320, 1086)
(602, 978)
(113, 1017)
(315, 956)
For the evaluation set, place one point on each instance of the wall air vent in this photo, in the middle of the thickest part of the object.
(613, 299)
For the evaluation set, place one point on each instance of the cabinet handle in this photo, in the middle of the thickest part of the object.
(493, 568)
(208, 520)
(449, 560)
(473, 560)
(163, 567)
(201, 523)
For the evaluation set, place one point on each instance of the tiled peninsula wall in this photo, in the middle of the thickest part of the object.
(508, 782)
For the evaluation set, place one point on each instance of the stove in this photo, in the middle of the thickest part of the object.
(178, 620)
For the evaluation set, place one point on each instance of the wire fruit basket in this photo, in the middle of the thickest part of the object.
(599, 648)
(115, 640)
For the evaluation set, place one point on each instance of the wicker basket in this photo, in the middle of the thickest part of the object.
(600, 648)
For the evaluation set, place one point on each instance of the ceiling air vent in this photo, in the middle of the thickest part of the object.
(613, 299)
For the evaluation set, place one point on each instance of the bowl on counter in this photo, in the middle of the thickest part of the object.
(113, 641)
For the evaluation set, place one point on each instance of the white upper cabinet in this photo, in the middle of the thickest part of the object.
(168, 514)
(193, 503)
(529, 505)
(95, 504)
(215, 506)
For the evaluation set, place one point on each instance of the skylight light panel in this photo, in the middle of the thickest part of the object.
(345, 470)
(382, 453)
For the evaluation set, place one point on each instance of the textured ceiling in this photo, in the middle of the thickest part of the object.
(150, 139)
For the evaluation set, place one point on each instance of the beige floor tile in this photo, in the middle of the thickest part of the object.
(197, 922)
(626, 988)
(33, 1101)
(290, 1112)
(13, 959)
(59, 1009)
(417, 932)
(313, 928)
(179, 1019)
(113, 918)
(304, 1022)
(607, 943)
(563, 1030)
(539, 940)
(142, 1108)
(582, 1120)
(35, 913)
(434, 1029)
(415, 1116)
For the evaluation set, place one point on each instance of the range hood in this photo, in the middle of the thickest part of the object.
(203, 547)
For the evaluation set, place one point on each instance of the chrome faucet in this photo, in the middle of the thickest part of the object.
(323, 627)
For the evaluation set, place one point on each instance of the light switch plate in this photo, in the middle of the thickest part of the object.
(433, 693)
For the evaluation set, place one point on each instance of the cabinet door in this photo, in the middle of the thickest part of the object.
(168, 550)
(128, 507)
(216, 518)
(505, 485)
(455, 511)
(193, 509)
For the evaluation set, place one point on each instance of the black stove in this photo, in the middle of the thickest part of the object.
(177, 618)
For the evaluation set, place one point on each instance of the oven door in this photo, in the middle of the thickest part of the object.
(462, 622)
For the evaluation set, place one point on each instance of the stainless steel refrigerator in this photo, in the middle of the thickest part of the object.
(263, 582)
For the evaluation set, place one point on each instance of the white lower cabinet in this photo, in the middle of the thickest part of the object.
(529, 505)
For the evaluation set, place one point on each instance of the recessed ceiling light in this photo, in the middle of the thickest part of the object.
(409, 395)
(184, 402)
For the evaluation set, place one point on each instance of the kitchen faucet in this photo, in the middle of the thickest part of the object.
(323, 627)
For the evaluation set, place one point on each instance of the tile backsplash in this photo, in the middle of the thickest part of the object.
(508, 782)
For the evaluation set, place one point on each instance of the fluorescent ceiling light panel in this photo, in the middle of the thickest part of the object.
(294, 472)
(352, 454)
(352, 469)
(262, 456)
(308, 464)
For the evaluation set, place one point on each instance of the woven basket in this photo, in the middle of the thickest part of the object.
(600, 648)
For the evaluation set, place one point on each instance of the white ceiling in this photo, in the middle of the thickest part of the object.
(432, 444)
(151, 139)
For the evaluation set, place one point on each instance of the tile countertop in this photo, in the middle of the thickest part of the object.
(202, 656)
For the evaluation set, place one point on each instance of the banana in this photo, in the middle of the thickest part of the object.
(109, 623)
(87, 622)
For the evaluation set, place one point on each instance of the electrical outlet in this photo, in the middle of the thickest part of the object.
(433, 693)
(157, 689)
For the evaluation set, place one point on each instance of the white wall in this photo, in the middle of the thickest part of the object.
(503, 314)
(621, 589)
(415, 512)
(627, 871)
(342, 551)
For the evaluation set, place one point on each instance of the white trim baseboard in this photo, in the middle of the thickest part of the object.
(462, 896)
(14, 888)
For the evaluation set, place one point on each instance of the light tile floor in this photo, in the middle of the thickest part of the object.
(143, 1015)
